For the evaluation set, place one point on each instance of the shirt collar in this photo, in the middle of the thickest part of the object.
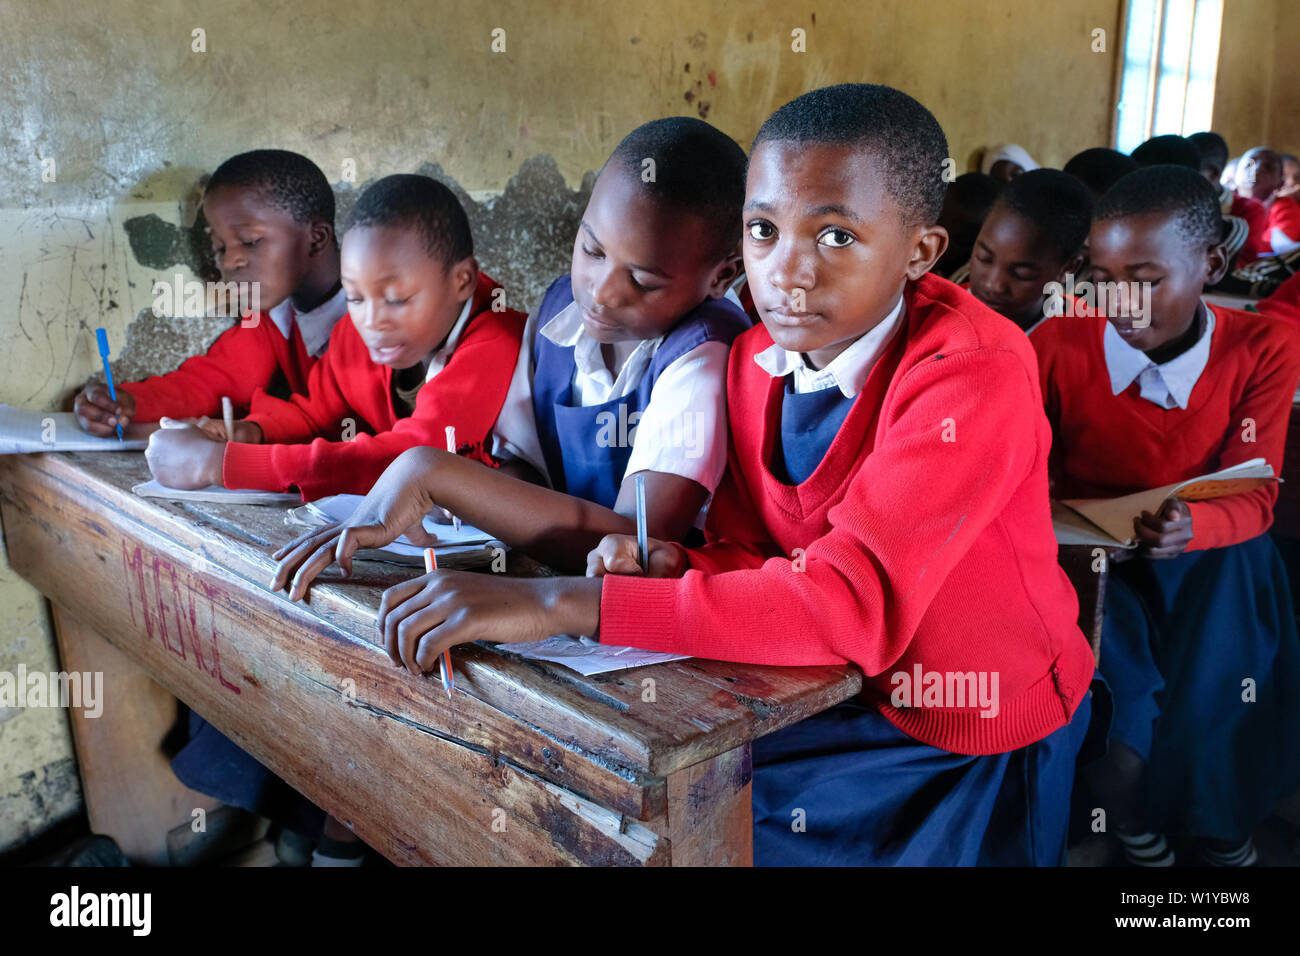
(438, 359)
(566, 330)
(848, 370)
(1180, 374)
(314, 326)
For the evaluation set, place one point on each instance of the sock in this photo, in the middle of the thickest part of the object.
(1146, 849)
(1243, 855)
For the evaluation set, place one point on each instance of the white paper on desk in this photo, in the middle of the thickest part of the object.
(586, 656)
(23, 430)
(215, 494)
(450, 541)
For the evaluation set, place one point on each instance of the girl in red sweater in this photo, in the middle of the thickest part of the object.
(1199, 643)
(429, 345)
(270, 214)
(885, 503)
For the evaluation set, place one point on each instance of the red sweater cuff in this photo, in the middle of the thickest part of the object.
(640, 612)
(251, 466)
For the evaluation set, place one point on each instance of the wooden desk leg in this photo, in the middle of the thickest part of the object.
(710, 819)
(131, 793)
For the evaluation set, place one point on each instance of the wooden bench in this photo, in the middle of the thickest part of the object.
(530, 763)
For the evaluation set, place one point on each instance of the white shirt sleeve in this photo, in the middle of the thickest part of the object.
(515, 433)
(683, 429)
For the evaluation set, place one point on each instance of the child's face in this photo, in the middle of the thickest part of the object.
(826, 249)
(1010, 265)
(1290, 173)
(402, 300)
(254, 241)
(638, 265)
(1147, 249)
(1259, 173)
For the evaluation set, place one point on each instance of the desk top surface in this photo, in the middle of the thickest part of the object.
(700, 708)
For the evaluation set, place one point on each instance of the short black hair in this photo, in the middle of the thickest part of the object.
(1168, 150)
(900, 133)
(1100, 168)
(698, 169)
(1212, 148)
(288, 181)
(1183, 192)
(1058, 205)
(973, 194)
(421, 204)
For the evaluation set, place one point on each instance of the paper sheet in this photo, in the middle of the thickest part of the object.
(586, 656)
(215, 494)
(23, 430)
(450, 541)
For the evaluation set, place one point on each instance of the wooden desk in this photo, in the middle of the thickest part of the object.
(529, 764)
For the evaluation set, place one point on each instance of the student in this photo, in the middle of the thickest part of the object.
(270, 214)
(1033, 236)
(1285, 300)
(1259, 174)
(626, 373)
(1204, 605)
(1004, 163)
(848, 527)
(965, 206)
(1168, 150)
(1290, 175)
(429, 346)
(1099, 168)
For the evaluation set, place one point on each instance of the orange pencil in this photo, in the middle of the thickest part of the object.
(448, 679)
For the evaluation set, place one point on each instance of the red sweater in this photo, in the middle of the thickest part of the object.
(1285, 301)
(467, 393)
(240, 362)
(923, 539)
(1284, 214)
(1256, 215)
(1109, 445)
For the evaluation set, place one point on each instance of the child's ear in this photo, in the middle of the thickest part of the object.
(930, 243)
(1217, 264)
(322, 238)
(464, 277)
(725, 274)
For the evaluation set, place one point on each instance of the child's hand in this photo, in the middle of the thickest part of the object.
(98, 414)
(249, 433)
(1167, 534)
(425, 616)
(617, 554)
(397, 503)
(181, 456)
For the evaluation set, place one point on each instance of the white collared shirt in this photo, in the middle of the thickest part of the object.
(683, 428)
(314, 326)
(848, 371)
(1169, 385)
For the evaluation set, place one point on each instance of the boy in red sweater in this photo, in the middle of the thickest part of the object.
(1199, 643)
(885, 503)
(1033, 236)
(270, 214)
(429, 346)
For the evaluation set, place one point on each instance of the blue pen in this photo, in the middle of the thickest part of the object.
(102, 337)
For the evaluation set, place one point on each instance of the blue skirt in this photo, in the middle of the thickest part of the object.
(848, 788)
(1185, 642)
(214, 764)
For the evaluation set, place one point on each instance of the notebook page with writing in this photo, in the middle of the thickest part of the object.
(23, 431)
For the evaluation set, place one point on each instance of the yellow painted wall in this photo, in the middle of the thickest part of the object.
(1257, 94)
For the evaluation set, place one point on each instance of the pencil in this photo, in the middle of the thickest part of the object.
(102, 338)
(451, 447)
(448, 678)
(642, 545)
(228, 414)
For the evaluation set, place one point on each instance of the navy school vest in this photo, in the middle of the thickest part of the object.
(809, 423)
(587, 447)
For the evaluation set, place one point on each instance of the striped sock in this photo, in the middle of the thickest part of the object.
(1243, 855)
(1146, 849)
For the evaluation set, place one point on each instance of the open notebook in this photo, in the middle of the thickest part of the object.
(1108, 522)
(467, 547)
(23, 430)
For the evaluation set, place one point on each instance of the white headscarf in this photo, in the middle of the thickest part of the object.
(1010, 152)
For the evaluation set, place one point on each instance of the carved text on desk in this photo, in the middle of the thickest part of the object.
(166, 598)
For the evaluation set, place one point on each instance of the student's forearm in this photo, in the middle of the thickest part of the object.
(555, 528)
(573, 605)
